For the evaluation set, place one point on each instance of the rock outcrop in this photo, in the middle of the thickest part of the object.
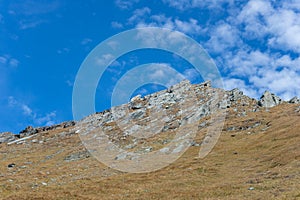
(7, 137)
(295, 100)
(269, 100)
(177, 109)
(163, 111)
(29, 130)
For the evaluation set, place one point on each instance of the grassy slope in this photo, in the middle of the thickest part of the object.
(266, 157)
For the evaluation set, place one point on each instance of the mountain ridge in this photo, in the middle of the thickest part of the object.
(267, 100)
(255, 156)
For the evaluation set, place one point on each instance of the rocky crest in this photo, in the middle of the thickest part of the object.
(166, 110)
(165, 113)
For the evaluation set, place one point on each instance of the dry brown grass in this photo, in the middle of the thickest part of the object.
(266, 158)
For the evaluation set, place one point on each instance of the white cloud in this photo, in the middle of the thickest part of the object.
(63, 50)
(3, 60)
(285, 83)
(231, 83)
(27, 111)
(70, 83)
(222, 37)
(9, 61)
(139, 15)
(188, 27)
(291, 4)
(125, 4)
(47, 119)
(13, 62)
(26, 24)
(254, 48)
(85, 41)
(116, 25)
(12, 102)
(280, 24)
(188, 4)
(104, 59)
(32, 7)
(264, 71)
(284, 26)
(255, 41)
(31, 13)
(191, 74)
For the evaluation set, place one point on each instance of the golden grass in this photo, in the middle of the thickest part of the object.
(266, 159)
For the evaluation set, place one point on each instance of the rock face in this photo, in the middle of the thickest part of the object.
(7, 137)
(269, 100)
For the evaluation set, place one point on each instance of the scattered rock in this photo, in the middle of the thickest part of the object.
(11, 165)
(251, 188)
(34, 141)
(78, 156)
(45, 184)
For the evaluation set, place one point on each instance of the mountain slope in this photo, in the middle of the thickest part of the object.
(256, 157)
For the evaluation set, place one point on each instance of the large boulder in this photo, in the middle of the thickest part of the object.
(269, 100)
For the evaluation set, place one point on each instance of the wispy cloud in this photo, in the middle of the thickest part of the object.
(30, 13)
(125, 4)
(189, 4)
(9, 61)
(32, 23)
(63, 50)
(142, 18)
(32, 116)
(32, 7)
(139, 15)
(86, 41)
(117, 25)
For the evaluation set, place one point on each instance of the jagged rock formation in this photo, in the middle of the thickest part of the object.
(29, 130)
(269, 100)
(295, 100)
(180, 108)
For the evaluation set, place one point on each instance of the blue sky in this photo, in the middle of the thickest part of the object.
(255, 45)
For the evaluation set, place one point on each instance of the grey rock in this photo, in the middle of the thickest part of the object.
(295, 100)
(11, 165)
(29, 130)
(269, 100)
(7, 137)
(138, 114)
(136, 102)
(77, 156)
(235, 94)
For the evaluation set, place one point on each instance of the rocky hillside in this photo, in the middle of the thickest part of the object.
(255, 154)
